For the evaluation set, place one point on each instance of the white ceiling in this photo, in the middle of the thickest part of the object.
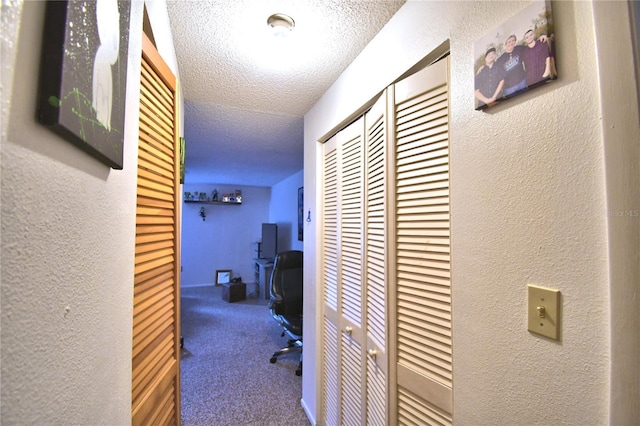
(246, 91)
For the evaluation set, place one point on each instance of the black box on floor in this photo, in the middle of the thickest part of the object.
(234, 292)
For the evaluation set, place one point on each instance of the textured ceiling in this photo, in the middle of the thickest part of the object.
(246, 91)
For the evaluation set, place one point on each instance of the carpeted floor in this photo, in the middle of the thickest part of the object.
(226, 377)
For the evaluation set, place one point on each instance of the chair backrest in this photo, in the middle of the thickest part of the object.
(286, 283)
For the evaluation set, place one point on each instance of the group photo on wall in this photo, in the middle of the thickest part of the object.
(515, 57)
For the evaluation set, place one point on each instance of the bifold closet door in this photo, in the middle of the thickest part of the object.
(422, 293)
(385, 268)
(342, 276)
(354, 272)
(375, 263)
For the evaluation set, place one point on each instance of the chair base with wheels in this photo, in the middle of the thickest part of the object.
(293, 346)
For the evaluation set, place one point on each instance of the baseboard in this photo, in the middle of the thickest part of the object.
(196, 285)
(307, 412)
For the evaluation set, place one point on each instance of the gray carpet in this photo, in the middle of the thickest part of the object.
(226, 376)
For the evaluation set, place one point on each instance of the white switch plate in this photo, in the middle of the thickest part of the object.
(544, 311)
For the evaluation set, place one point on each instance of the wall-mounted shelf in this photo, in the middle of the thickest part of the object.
(226, 203)
(233, 197)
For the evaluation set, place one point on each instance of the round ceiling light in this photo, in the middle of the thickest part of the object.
(281, 24)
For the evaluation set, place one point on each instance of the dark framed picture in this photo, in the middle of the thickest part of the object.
(223, 276)
(83, 75)
(515, 57)
(300, 213)
(183, 156)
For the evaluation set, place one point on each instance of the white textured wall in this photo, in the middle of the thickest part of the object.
(283, 210)
(68, 224)
(529, 205)
(225, 240)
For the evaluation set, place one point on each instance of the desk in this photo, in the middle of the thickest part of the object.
(263, 268)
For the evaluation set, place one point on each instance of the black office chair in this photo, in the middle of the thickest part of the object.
(286, 301)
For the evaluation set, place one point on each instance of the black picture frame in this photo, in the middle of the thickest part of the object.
(500, 68)
(83, 75)
(300, 213)
(223, 276)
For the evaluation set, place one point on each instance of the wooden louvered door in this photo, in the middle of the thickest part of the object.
(156, 329)
(343, 387)
(422, 302)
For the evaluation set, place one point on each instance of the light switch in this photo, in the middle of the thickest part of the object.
(544, 311)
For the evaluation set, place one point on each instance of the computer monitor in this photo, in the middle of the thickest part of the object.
(269, 246)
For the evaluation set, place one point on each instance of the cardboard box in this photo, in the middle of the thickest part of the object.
(234, 292)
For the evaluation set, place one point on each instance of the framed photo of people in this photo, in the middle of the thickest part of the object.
(515, 57)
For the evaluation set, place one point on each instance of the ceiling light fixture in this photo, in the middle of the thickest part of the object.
(281, 24)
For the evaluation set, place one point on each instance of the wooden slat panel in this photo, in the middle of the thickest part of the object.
(148, 404)
(149, 115)
(157, 280)
(155, 111)
(152, 305)
(143, 371)
(144, 354)
(162, 93)
(150, 229)
(166, 409)
(148, 161)
(154, 246)
(154, 202)
(155, 154)
(155, 355)
(155, 177)
(155, 323)
(155, 194)
(154, 137)
(155, 263)
(154, 185)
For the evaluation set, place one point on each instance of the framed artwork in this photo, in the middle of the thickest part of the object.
(300, 213)
(223, 276)
(515, 57)
(83, 75)
(183, 157)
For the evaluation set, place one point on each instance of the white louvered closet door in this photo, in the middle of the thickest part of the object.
(375, 263)
(385, 261)
(351, 144)
(329, 280)
(342, 276)
(422, 305)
